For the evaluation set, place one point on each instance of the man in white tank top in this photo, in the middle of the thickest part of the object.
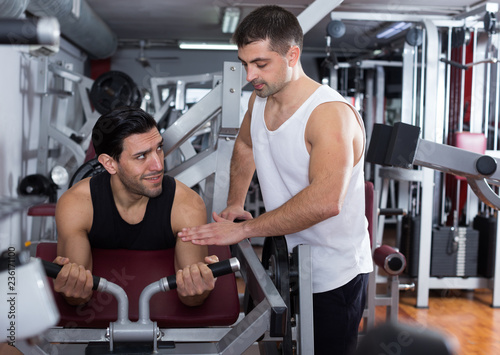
(307, 145)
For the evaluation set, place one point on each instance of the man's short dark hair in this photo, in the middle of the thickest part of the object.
(271, 22)
(113, 127)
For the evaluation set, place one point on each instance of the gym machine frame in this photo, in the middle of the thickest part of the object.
(265, 323)
(220, 107)
(401, 147)
(430, 109)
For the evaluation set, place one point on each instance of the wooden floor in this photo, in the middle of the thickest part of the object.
(465, 316)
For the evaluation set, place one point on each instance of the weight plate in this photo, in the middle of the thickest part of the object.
(89, 169)
(36, 184)
(114, 89)
(275, 259)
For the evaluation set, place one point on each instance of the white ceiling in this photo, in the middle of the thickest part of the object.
(165, 22)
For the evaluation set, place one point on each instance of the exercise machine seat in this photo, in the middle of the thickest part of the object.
(474, 142)
(133, 270)
(49, 209)
(42, 210)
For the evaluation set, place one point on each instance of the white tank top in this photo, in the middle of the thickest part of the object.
(340, 245)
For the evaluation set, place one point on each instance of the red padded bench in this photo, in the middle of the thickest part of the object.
(133, 270)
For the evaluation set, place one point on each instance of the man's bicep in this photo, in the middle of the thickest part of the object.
(72, 231)
(188, 210)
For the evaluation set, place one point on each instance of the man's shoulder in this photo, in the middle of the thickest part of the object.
(186, 195)
(79, 191)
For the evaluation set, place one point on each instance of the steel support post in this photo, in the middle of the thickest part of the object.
(429, 133)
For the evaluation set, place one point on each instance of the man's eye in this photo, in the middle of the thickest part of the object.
(140, 157)
(261, 66)
(160, 147)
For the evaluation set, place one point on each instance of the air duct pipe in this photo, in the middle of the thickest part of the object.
(29, 31)
(79, 24)
(12, 8)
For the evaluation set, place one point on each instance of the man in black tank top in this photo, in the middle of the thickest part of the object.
(132, 205)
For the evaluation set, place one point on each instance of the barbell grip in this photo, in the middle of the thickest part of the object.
(52, 269)
(221, 268)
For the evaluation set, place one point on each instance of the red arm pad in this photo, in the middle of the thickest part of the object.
(135, 269)
(42, 210)
(389, 259)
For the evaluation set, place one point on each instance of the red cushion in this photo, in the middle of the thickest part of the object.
(135, 269)
(474, 142)
(42, 210)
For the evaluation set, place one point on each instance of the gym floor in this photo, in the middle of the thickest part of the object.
(464, 316)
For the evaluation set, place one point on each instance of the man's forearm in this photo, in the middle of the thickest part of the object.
(193, 301)
(241, 173)
(302, 211)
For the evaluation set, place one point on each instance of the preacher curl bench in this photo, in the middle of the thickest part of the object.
(277, 302)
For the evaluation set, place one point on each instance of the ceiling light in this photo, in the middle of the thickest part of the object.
(230, 19)
(393, 30)
(208, 46)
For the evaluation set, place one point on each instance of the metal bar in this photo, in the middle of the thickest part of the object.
(497, 102)
(315, 12)
(478, 10)
(452, 160)
(429, 133)
(305, 325)
(75, 148)
(247, 331)
(415, 87)
(408, 79)
(11, 205)
(462, 93)
(192, 120)
(458, 282)
(496, 278)
(231, 96)
(193, 334)
(196, 169)
(256, 278)
(391, 17)
(158, 82)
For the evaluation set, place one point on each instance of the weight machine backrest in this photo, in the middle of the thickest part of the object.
(474, 142)
(135, 269)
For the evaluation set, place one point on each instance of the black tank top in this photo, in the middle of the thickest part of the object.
(110, 231)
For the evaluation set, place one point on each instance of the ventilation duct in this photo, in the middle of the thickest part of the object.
(12, 8)
(79, 24)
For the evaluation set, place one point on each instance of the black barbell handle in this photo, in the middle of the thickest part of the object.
(221, 268)
(218, 269)
(52, 269)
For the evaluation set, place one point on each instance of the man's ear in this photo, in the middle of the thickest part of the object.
(293, 55)
(108, 163)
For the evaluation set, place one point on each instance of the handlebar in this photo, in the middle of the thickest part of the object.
(218, 269)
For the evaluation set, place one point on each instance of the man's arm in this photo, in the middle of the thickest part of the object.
(194, 279)
(73, 219)
(335, 142)
(241, 171)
